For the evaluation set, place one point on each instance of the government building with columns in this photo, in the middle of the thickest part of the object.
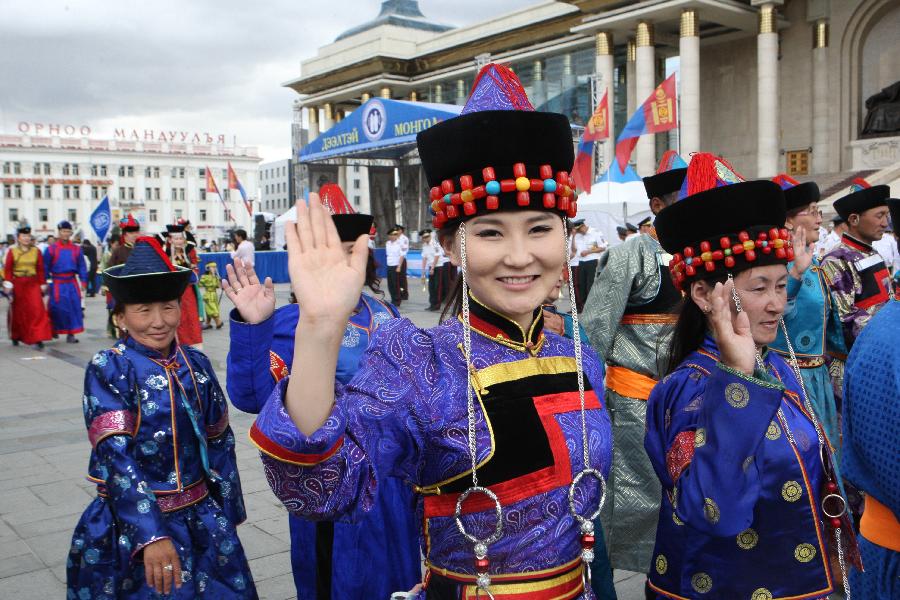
(772, 85)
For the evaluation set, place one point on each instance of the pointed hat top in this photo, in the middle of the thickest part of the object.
(496, 87)
(707, 171)
(670, 160)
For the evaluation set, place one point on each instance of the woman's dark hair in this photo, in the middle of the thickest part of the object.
(690, 329)
(453, 300)
(373, 281)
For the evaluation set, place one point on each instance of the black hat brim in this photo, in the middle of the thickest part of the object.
(860, 201)
(750, 206)
(800, 195)
(146, 288)
(664, 183)
(466, 144)
(350, 227)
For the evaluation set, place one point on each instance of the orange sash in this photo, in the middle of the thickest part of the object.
(879, 525)
(628, 383)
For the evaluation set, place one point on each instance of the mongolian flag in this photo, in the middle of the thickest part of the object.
(212, 188)
(235, 184)
(597, 128)
(657, 114)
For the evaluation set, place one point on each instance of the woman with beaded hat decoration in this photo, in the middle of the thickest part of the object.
(162, 455)
(750, 505)
(327, 557)
(498, 425)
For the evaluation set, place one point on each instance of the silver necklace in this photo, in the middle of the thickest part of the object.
(586, 524)
(795, 365)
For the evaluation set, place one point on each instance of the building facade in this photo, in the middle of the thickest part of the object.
(773, 85)
(276, 186)
(47, 179)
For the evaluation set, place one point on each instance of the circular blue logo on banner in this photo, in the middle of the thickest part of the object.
(374, 120)
(100, 221)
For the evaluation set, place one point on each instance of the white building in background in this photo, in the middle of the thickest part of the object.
(276, 186)
(47, 179)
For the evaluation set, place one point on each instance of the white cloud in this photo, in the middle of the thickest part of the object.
(202, 65)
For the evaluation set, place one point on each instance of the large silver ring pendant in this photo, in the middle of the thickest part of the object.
(584, 522)
(498, 510)
(843, 506)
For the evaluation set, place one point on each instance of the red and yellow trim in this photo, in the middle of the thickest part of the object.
(278, 452)
(550, 573)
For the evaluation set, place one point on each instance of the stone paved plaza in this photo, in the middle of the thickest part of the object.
(44, 452)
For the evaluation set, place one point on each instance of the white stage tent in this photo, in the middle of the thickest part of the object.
(613, 203)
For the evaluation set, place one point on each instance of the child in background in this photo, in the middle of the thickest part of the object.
(211, 284)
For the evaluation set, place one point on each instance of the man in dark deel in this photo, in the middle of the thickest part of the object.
(90, 252)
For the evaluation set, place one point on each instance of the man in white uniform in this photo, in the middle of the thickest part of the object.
(589, 245)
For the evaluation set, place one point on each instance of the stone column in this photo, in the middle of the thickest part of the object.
(438, 93)
(386, 92)
(327, 118)
(820, 154)
(538, 85)
(645, 82)
(413, 96)
(630, 55)
(767, 148)
(313, 112)
(605, 69)
(460, 92)
(689, 50)
(365, 97)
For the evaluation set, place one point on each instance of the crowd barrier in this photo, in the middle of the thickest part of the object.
(273, 263)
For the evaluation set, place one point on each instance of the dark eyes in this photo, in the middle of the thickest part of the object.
(488, 233)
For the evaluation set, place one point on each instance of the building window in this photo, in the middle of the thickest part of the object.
(17, 191)
(37, 192)
(7, 190)
(76, 192)
(797, 162)
(67, 192)
(155, 172)
(147, 193)
(70, 169)
(121, 193)
(156, 193)
(201, 171)
(95, 192)
(14, 215)
(357, 200)
(122, 171)
(202, 215)
(177, 213)
(103, 170)
(130, 171)
(47, 191)
(7, 167)
(17, 168)
(46, 168)
(131, 193)
(37, 168)
(174, 194)
(95, 170)
(356, 184)
(147, 172)
(202, 193)
(43, 217)
(153, 215)
(356, 168)
(181, 194)
(103, 191)
(72, 215)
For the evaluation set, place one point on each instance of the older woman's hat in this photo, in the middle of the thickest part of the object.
(722, 223)
(147, 276)
(499, 154)
(796, 194)
(350, 224)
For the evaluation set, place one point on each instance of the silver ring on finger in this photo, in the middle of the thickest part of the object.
(168, 567)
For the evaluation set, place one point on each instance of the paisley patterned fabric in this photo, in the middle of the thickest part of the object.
(404, 415)
(148, 417)
(384, 543)
(742, 518)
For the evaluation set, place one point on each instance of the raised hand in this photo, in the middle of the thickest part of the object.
(253, 300)
(325, 282)
(732, 331)
(802, 253)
